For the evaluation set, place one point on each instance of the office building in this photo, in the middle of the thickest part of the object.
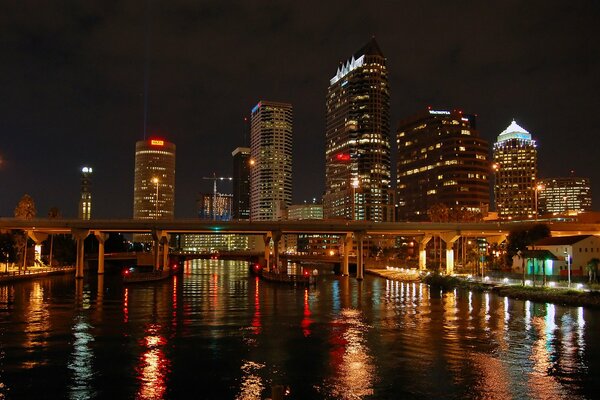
(565, 196)
(241, 183)
(154, 184)
(442, 164)
(305, 211)
(357, 143)
(271, 154)
(85, 199)
(515, 166)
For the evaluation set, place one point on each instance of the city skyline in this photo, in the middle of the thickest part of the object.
(74, 84)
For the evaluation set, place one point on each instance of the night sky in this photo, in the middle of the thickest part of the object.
(72, 79)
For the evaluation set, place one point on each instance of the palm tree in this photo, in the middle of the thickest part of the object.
(25, 209)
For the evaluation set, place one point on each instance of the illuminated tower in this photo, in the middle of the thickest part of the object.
(154, 185)
(515, 164)
(271, 153)
(442, 161)
(357, 143)
(85, 201)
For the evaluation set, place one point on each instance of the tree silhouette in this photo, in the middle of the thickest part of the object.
(25, 209)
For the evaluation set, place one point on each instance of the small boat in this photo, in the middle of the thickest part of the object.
(133, 275)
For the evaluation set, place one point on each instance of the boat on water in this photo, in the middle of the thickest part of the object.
(304, 279)
(141, 274)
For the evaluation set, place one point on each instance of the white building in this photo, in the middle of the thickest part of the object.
(580, 249)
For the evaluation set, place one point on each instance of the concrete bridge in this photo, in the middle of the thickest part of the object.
(350, 233)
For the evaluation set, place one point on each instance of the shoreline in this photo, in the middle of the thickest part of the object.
(566, 297)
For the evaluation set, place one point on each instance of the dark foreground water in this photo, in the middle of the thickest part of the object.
(217, 332)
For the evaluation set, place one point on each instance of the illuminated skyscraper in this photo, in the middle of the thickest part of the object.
(515, 164)
(357, 143)
(241, 183)
(566, 195)
(85, 201)
(442, 162)
(154, 185)
(271, 153)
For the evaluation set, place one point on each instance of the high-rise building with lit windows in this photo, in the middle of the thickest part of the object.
(442, 161)
(271, 154)
(515, 166)
(215, 207)
(565, 195)
(357, 142)
(154, 184)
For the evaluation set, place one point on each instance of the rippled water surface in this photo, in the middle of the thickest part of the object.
(217, 332)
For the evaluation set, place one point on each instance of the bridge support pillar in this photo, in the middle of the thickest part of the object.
(101, 237)
(165, 247)
(449, 238)
(359, 255)
(276, 238)
(347, 246)
(157, 238)
(267, 240)
(423, 251)
(79, 235)
(496, 239)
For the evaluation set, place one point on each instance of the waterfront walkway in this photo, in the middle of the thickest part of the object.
(11, 273)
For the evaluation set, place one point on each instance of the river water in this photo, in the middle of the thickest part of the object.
(217, 332)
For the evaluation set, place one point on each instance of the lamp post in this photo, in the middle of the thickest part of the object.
(568, 268)
(155, 181)
(355, 184)
(538, 187)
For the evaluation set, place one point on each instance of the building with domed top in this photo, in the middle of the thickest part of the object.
(515, 170)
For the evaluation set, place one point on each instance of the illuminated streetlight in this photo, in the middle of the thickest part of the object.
(568, 257)
(538, 187)
(155, 181)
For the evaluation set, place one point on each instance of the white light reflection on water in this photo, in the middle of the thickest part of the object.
(354, 369)
(81, 364)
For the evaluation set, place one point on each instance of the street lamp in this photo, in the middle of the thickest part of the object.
(538, 187)
(568, 267)
(155, 181)
(355, 184)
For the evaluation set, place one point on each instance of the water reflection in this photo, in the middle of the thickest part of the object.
(353, 366)
(81, 364)
(153, 365)
(252, 384)
(37, 326)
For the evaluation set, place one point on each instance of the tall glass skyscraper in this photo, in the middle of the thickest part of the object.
(241, 183)
(271, 155)
(154, 185)
(357, 142)
(515, 165)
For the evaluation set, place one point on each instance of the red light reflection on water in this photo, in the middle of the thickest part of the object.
(306, 321)
(256, 324)
(153, 366)
(126, 306)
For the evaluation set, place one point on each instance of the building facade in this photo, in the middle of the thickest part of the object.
(271, 154)
(241, 183)
(357, 142)
(305, 211)
(515, 166)
(85, 199)
(442, 163)
(215, 207)
(154, 184)
(565, 196)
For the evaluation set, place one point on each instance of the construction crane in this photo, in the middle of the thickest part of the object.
(216, 178)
